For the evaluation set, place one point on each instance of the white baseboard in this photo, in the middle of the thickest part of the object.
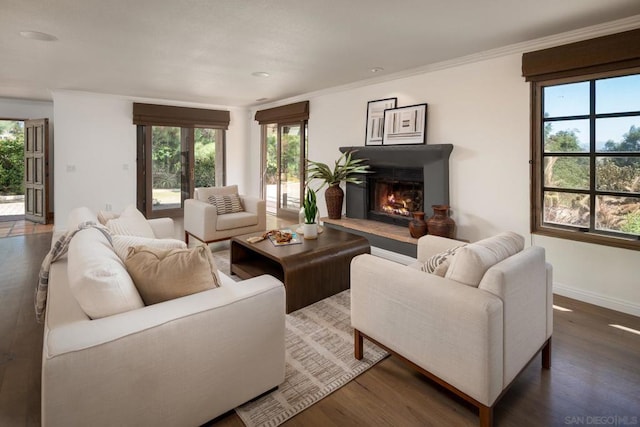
(597, 299)
(392, 256)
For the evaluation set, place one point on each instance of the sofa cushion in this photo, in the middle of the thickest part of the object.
(472, 261)
(98, 279)
(236, 220)
(121, 244)
(164, 274)
(131, 222)
(226, 204)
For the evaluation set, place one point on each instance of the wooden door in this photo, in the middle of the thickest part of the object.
(36, 170)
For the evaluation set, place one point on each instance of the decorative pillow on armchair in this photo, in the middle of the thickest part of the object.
(227, 203)
(164, 274)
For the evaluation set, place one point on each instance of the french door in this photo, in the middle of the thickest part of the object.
(283, 167)
(36, 170)
(176, 161)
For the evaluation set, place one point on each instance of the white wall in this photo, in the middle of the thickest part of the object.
(482, 108)
(24, 109)
(96, 150)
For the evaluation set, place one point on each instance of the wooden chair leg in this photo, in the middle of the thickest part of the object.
(358, 344)
(186, 237)
(486, 416)
(546, 355)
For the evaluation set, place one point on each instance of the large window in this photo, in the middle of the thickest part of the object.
(586, 152)
(179, 149)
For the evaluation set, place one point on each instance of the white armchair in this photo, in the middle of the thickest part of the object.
(471, 331)
(201, 219)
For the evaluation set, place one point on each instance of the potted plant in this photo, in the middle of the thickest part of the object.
(345, 169)
(310, 228)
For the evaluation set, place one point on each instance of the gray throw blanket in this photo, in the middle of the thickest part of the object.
(57, 251)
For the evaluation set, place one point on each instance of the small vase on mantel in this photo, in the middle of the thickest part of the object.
(417, 226)
(441, 224)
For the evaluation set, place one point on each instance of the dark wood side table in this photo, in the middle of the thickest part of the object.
(310, 271)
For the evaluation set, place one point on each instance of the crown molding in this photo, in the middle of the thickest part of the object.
(617, 26)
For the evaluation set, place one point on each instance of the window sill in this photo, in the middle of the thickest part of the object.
(581, 236)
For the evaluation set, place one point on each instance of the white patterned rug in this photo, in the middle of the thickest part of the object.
(319, 359)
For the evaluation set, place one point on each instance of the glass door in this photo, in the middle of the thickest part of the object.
(284, 148)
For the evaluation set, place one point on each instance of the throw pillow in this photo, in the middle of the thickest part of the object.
(165, 274)
(228, 203)
(121, 244)
(131, 222)
(439, 263)
(105, 216)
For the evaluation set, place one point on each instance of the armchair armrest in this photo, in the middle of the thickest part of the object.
(257, 206)
(451, 330)
(163, 228)
(429, 246)
(200, 218)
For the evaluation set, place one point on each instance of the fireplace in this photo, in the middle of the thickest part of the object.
(404, 179)
(395, 193)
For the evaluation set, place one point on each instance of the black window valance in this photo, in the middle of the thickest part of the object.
(166, 115)
(602, 54)
(284, 114)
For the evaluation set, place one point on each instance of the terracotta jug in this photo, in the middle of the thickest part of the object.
(417, 226)
(441, 224)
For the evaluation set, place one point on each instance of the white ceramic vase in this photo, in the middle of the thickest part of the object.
(310, 231)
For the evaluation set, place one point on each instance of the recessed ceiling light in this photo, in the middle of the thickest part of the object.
(261, 99)
(376, 69)
(37, 35)
(260, 74)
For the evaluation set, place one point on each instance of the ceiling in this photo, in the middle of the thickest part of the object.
(205, 51)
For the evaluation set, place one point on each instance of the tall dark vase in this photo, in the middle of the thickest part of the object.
(441, 224)
(334, 197)
(417, 226)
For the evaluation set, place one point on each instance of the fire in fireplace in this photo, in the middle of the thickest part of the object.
(397, 198)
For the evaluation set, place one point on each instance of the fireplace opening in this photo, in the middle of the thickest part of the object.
(397, 198)
(394, 194)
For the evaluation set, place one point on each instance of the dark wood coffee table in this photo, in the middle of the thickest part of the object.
(310, 271)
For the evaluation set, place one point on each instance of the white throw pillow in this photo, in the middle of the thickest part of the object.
(121, 244)
(472, 261)
(131, 222)
(98, 279)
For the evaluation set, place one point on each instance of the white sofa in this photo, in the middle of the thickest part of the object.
(180, 362)
(472, 330)
(201, 219)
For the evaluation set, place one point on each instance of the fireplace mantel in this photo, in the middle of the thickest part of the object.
(432, 158)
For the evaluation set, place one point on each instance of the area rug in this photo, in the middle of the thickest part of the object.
(319, 358)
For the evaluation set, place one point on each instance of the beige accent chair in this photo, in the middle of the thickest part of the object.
(201, 219)
(473, 330)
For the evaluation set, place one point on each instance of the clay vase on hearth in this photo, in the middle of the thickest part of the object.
(417, 226)
(441, 224)
(334, 197)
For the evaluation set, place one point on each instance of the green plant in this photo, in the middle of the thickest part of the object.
(310, 207)
(345, 169)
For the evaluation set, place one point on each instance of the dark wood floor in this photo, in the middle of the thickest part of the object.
(595, 372)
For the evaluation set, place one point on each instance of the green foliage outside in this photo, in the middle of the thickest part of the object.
(167, 157)
(290, 157)
(11, 157)
(621, 174)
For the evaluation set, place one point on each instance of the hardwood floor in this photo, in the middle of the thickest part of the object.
(595, 369)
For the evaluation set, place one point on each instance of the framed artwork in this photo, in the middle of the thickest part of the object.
(375, 119)
(405, 125)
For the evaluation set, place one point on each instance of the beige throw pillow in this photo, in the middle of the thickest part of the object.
(165, 274)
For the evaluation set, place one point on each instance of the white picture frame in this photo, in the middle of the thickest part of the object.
(375, 119)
